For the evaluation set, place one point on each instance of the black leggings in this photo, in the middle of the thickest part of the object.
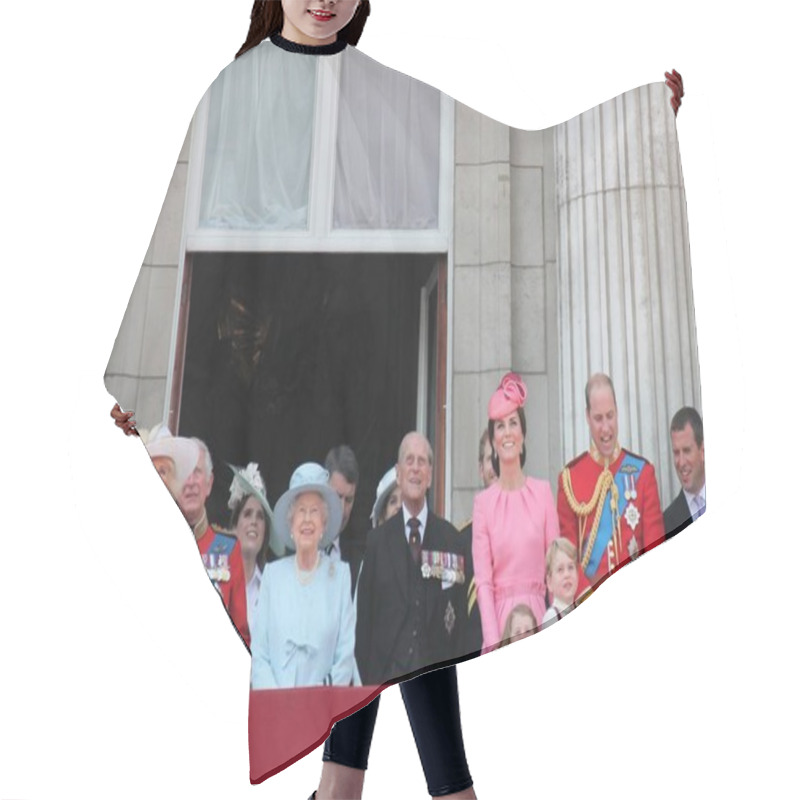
(432, 707)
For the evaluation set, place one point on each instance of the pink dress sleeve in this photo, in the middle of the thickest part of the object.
(484, 571)
(551, 527)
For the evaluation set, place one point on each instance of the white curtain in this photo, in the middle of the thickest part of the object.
(387, 153)
(258, 146)
(260, 130)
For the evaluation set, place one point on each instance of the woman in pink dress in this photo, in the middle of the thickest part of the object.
(514, 520)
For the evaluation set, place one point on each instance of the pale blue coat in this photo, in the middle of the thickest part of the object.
(304, 635)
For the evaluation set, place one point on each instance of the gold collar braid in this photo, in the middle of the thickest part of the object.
(199, 528)
(582, 510)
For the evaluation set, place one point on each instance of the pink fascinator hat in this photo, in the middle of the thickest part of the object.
(508, 397)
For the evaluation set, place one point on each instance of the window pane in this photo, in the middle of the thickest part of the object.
(387, 150)
(258, 147)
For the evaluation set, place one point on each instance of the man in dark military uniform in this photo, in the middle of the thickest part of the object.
(221, 554)
(411, 594)
(608, 504)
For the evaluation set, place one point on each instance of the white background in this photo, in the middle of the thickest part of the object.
(119, 675)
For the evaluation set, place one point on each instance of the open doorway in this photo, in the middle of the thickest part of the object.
(288, 354)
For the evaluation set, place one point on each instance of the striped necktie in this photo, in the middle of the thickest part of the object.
(414, 540)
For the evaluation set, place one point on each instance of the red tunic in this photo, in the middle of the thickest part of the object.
(231, 590)
(649, 530)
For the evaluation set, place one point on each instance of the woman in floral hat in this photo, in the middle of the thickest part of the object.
(251, 521)
(514, 520)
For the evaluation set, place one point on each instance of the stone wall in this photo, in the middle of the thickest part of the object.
(137, 370)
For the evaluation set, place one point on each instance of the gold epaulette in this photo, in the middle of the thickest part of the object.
(577, 459)
(220, 531)
(635, 455)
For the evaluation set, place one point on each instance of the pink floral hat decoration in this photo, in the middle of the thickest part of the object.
(508, 397)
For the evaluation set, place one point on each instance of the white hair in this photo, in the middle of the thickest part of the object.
(407, 438)
(204, 449)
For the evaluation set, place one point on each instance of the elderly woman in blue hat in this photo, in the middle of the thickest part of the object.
(304, 632)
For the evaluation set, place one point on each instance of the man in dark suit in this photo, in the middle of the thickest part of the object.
(342, 468)
(688, 453)
(412, 595)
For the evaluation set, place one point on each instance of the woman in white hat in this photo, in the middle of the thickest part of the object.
(252, 522)
(387, 498)
(304, 630)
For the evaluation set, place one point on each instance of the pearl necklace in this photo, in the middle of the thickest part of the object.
(305, 576)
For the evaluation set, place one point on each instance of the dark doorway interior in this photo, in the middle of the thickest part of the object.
(288, 355)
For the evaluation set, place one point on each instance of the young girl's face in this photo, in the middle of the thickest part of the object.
(521, 624)
(315, 22)
(562, 580)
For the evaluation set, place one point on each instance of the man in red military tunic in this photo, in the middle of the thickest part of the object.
(222, 556)
(608, 504)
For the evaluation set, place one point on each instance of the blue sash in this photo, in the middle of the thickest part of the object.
(222, 544)
(630, 466)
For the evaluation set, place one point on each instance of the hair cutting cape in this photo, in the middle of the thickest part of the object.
(346, 255)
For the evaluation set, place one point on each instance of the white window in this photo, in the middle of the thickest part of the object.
(267, 173)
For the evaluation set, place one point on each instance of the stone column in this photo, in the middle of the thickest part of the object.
(482, 323)
(625, 289)
(534, 308)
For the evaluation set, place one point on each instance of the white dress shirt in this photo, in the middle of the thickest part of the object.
(251, 590)
(696, 508)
